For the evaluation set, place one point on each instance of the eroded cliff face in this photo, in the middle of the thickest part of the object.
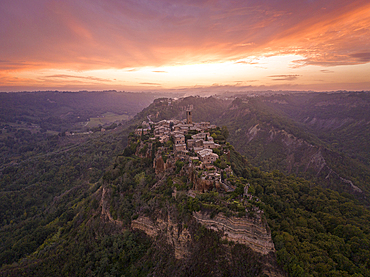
(179, 238)
(103, 195)
(327, 124)
(298, 156)
(252, 233)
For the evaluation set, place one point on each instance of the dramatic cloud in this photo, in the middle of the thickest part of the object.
(79, 36)
(361, 57)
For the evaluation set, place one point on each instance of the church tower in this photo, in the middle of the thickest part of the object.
(189, 119)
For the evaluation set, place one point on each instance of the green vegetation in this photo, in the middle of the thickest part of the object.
(316, 231)
(62, 111)
(38, 189)
(318, 136)
(219, 135)
(67, 202)
(106, 119)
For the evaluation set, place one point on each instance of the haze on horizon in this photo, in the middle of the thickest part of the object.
(171, 45)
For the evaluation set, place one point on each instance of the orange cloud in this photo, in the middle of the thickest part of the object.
(284, 77)
(97, 35)
(64, 77)
(338, 37)
(115, 34)
(150, 84)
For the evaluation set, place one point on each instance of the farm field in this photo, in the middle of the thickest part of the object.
(106, 118)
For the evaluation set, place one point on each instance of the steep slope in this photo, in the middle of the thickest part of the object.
(39, 189)
(273, 141)
(101, 233)
(340, 119)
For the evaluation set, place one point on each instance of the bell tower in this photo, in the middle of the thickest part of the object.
(189, 112)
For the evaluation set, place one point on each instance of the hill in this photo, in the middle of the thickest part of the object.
(278, 132)
(298, 134)
(61, 111)
(94, 207)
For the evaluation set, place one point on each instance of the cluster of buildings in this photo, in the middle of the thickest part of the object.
(145, 129)
(192, 143)
(197, 139)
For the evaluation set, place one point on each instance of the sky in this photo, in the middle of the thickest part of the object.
(149, 45)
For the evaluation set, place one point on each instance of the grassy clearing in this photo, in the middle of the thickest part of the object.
(106, 118)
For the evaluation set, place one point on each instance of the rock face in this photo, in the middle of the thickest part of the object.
(159, 165)
(105, 214)
(204, 185)
(145, 224)
(252, 233)
(180, 239)
(296, 155)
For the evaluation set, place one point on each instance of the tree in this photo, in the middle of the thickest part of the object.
(225, 132)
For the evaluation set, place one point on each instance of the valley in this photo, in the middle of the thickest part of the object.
(243, 186)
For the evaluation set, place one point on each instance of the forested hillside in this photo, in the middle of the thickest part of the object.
(42, 173)
(56, 111)
(90, 206)
(321, 137)
(31, 122)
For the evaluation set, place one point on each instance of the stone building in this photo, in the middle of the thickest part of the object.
(179, 139)
(207, 156)
(140, 132)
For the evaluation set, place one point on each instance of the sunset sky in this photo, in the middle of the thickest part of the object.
(147, 45)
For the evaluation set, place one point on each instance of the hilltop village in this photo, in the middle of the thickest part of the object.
(189, 149)
(194, 159)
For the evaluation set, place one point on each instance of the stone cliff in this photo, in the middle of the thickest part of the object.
(252, 233)
(298, 156)
(179, 238)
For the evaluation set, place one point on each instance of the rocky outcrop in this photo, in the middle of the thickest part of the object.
(300, 157)
(102, 210)
(178, 237)
(204, 185)
(252, 233)
(161, 166)
(327, 124)
(144, 150)
(252, 133)
(145, 224)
